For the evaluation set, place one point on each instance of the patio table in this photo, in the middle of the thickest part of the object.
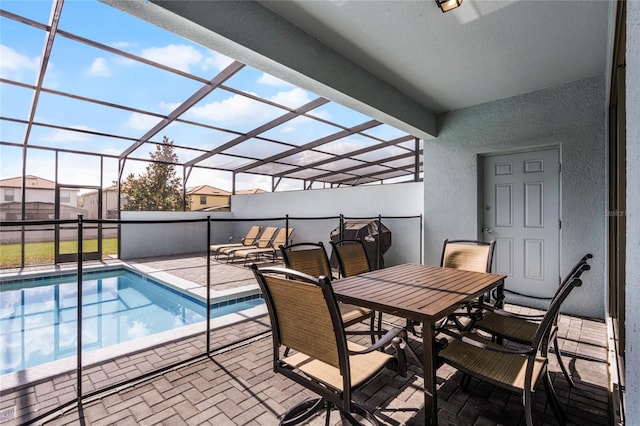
(420, 293)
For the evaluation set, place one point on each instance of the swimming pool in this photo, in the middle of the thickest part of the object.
(38, 316)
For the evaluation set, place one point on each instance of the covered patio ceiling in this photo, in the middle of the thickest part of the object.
(402, 62)
(366, 82)
(287, 134)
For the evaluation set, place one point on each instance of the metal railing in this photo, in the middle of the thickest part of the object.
(82, 223)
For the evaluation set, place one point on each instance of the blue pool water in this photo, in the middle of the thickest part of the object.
(38, 316)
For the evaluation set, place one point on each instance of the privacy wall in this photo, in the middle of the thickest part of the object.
(571, 117)
(393, 202)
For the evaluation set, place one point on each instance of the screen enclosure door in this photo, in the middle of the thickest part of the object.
(71, 201)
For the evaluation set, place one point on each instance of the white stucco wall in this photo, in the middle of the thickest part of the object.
(632, 322)
(571, 116)
(358, 202)
(366, 201)
(161, 239)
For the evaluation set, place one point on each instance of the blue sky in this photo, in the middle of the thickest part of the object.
(86, 71)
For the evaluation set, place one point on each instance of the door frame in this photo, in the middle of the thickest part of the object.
(73, 257)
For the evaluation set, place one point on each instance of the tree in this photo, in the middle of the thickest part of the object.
(158, 188)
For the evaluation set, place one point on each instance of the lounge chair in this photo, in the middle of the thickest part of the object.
(264, 240)
(281, 238)
(247, 240)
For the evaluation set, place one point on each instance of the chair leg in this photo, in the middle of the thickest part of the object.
(556, 349)
(526, 402)
(399, 346)
(553, 399)
(464, 383)
(347, 418)
(304, 411)
(372, 327)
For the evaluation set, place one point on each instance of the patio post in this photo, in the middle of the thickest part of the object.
(208, 257)
(79, 315)
(421, 239)
(286, 230)
(379, 242)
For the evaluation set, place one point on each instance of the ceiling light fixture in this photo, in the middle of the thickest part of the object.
(447, 5)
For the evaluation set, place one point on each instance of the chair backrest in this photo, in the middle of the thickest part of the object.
(469, 255)
(308, 258)
(577, 270)
(304, 314)
(282, 237)
(266, 238)
(252, 235)
(352, 257)
(571, 281)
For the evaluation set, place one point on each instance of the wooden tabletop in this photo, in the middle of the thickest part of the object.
(415, 291)
(421, 293)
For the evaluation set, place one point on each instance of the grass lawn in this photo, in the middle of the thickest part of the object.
(43, 253)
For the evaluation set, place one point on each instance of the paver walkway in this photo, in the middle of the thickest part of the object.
(236, 386)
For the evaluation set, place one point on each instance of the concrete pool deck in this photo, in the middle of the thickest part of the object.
(240, 284)
(236, 385)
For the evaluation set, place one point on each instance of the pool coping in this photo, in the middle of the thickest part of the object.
(66, 365)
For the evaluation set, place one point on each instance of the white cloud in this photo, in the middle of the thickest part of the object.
(293, 98)
(181, 57)
(297, 125)
(141, 121)
(238, 109)
(13, 63)
(234, 110)
(121, 44)
(70, 136)
(99, 68)
(216, 61)
(168, 106)
(270, 80)
(321, 113)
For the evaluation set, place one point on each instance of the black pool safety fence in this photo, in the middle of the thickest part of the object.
(338, 227)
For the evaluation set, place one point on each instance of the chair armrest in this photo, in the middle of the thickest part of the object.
(381, 342)
(488, 346)
(502, 312)
(495, 295)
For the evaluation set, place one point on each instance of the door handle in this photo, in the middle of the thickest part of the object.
(487, 230)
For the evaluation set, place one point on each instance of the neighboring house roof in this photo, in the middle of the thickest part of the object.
(224, 208)
(206, 190)
(33, 182)
(251, 191)
(111, 188)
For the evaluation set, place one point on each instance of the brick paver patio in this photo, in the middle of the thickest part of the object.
(236, 385)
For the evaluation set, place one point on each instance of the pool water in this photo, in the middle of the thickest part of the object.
(38, 317)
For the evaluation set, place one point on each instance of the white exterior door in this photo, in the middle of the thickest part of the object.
(521, 213)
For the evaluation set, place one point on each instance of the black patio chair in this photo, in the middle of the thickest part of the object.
(514, 369)
(521, 328)
(306, 321)
(312, 259)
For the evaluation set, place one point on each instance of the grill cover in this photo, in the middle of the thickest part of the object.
(369, 233)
